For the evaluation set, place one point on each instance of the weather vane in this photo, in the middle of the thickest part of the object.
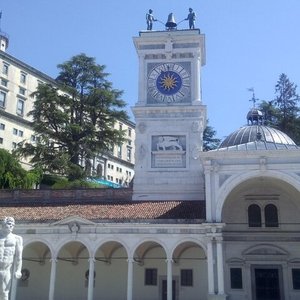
(253, 99)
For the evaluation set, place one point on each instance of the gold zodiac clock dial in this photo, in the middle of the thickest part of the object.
(168, 82)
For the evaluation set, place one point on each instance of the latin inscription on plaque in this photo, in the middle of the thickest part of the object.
(168, 151)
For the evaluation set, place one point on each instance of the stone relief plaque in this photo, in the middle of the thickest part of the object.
(168, 151)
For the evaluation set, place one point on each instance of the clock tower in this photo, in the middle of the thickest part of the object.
(169, 114)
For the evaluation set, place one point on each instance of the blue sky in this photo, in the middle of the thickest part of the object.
(249, 43)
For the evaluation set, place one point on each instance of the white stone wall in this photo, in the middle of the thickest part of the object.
(234, 181)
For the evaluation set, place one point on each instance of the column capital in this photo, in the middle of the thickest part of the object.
(208, 168)
(91, 259)
(53, 260)
(214, 228)
(210, 238)
(169, 260)
(219, 239)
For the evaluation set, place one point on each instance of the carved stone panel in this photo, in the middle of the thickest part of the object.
(168, 151)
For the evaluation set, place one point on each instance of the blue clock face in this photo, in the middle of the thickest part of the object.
(168, 82)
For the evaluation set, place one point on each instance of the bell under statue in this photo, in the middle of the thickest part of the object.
(11, 246)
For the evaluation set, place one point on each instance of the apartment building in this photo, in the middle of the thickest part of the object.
(116, 168)
(18, 81)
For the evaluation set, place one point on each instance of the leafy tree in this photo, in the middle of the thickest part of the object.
(210, 142)
(283, 111)
(286, 102)
(12, 175)
(74, 121)
(270, 113)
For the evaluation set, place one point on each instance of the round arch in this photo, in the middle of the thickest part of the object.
(28, 242)
(110, 266)
(151, 258)
(109, 240)
(238, 179)
(152, 240)
(197, 242)
(38, 248)
(190, 268)
(36, 269)
(71, 269)
(69, 240)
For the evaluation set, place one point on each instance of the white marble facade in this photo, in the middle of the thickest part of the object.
(245, 244)
(170, 121)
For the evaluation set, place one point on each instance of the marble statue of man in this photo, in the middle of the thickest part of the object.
(11, 246)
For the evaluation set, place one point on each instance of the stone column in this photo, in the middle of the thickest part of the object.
(91, 278)
(52, 278)
(220, 266)
(130, 278)
(210, 267)
(169, 278)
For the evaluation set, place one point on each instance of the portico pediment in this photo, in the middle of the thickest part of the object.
(265, 252)
(73, 220)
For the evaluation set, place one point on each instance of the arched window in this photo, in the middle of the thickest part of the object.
(254, 216)
(271, 215)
